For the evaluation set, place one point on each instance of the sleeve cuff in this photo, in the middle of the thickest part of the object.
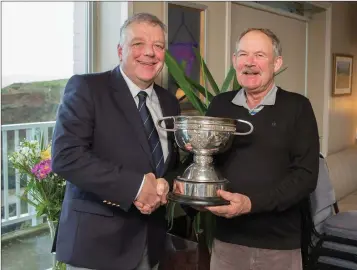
(141, 186)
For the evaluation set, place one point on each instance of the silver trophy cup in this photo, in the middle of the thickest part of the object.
(203, 136)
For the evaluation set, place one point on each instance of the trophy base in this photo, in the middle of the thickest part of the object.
(195, 193)
(197, 201)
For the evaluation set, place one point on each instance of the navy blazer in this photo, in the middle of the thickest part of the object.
(100, 148)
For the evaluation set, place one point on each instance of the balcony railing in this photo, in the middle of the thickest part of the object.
(13, 209)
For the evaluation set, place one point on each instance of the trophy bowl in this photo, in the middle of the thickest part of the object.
(203, 136)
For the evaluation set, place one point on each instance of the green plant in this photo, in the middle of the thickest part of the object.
(204, 222)
(193, 89)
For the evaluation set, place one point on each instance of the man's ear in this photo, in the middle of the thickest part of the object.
(120, 52)
(234, 60)
(278, 63)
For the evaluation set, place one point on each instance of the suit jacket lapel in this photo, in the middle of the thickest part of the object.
(128, 107)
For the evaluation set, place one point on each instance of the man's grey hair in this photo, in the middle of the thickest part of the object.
(274, 39)
(140, 17)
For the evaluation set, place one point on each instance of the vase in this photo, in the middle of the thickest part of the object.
(56, 265)
(52, 224)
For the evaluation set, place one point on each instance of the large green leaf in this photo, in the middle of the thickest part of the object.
(206, 71)
(228, 79)
(198, 96)
(204, 79)
(170, 208)
(236, 85)
(201, 89)
(178, 74)
(183, 64)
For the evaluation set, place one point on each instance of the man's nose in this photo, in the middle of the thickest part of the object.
(149, 50)
(250, 61)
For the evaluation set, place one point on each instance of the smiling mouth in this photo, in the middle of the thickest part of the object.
(250, 73)
(146, 63)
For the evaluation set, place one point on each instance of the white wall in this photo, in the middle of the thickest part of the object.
(293, 79)
(79, 38)
(318, 72)
(109, 18)
(343, 110)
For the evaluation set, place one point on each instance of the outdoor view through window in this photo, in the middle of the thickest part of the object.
(43, 45)
(37, 59)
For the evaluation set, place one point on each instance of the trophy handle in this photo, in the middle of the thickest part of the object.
(244, 133)
(163, 119)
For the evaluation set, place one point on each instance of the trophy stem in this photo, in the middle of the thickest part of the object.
(202, 160)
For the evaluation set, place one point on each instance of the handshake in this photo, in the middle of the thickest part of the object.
(153, 194)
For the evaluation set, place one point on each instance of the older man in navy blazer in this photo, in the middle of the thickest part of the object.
(107, 147)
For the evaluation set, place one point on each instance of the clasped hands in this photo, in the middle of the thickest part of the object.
(239, 204)
(152, 195)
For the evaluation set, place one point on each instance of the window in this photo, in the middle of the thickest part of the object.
(185, 35)
(43, 45)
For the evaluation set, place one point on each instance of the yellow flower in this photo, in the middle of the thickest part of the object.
(46, 154)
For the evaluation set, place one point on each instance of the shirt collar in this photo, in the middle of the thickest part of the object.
(240, 98)
(134, 89)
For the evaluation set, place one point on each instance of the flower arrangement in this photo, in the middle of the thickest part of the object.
(46, 188)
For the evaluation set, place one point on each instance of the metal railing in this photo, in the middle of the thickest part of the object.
(13, 210)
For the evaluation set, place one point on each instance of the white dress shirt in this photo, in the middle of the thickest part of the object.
(153, 104)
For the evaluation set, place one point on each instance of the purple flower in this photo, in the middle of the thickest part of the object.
(42, 169)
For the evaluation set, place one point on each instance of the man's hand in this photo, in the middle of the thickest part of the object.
(148, 200)
(239, 204)
(152, 195)
(162, 189)
(188, 147)
(178, 187)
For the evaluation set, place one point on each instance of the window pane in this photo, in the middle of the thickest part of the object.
(43, 45)
(37, 52)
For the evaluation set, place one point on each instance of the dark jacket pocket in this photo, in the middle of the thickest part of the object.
(91, 207)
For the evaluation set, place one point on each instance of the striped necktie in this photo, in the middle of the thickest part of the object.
(152, 135)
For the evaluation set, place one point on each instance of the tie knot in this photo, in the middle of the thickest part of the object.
(142, 95)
